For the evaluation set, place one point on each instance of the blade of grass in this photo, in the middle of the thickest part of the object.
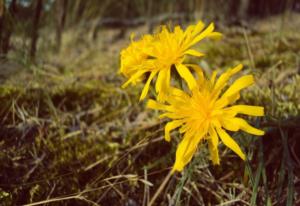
(289, 165)
(249, 172)
(264, 176)
(281, 177)
(183, 180)
(257, 176)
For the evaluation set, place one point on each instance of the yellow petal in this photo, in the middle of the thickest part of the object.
(178, 92)
(169, 115)
(246, 127)
(178, 30)
(198, 28)
(248, 110)
(170, 126)
(213, 77)
(187, 36)
(162, 83)
(202, 35)
(146, 87)
(134, 78)
(224, 101)
(239, 84)
(158, 106)
(230, 125)
(198, 71)
(193, 52)
(214, 137)
(181, 149)
(220, 103)
(185, 151)
(184, 128)
(230, 143)
(215, 36)
(223, 79)
(185, 73)
(214, 154)
(233, 98)
(159, 81)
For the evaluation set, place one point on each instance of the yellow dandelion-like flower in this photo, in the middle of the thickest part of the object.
(134, 56)
(165, 50)
(206, 113)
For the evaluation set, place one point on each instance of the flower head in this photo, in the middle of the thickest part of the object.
(206, 113)
(157, 54)
(133, 57)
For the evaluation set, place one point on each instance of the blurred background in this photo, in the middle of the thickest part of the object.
(29, 26)
(69, 135)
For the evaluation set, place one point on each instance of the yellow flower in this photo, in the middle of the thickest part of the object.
(206, 113)
(163, 51)
(133, 57)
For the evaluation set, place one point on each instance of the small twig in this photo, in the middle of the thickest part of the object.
(54, 200)
(116, 190)
(160, 189)
(146, 189)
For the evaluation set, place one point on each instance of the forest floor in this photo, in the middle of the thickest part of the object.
(70, 135)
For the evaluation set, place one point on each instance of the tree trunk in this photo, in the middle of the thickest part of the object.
(35, 26)
(80, 10)
(1, 22)
(61, 13)
(6, 25)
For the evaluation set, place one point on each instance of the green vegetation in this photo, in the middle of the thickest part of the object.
(70, 135)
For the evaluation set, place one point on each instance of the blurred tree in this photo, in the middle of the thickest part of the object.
(149, 15)
(263, 8)
(99, 13)
(1, 21)
(237, 11)
(79, 10)
(6, 22)
(61, 13)
(35, 26)
(125, 13)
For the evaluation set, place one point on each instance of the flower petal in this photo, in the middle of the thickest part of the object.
(213, 77)
(162, 84)
(215, 36)
(214, 137)
(146, 87)
(223, 79)
(178, 92)
(230, 143)
(202, 35)
(170, 126)
(134, 77)
(185, 73)
(248, 110)
(159, 81)
(194, 52)
(247, 127)
(198, 71)
(185, 150)
(238, 85)
(152, 104)
(230, 125)
(170, 115)
(198, 28)
(214, 153)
